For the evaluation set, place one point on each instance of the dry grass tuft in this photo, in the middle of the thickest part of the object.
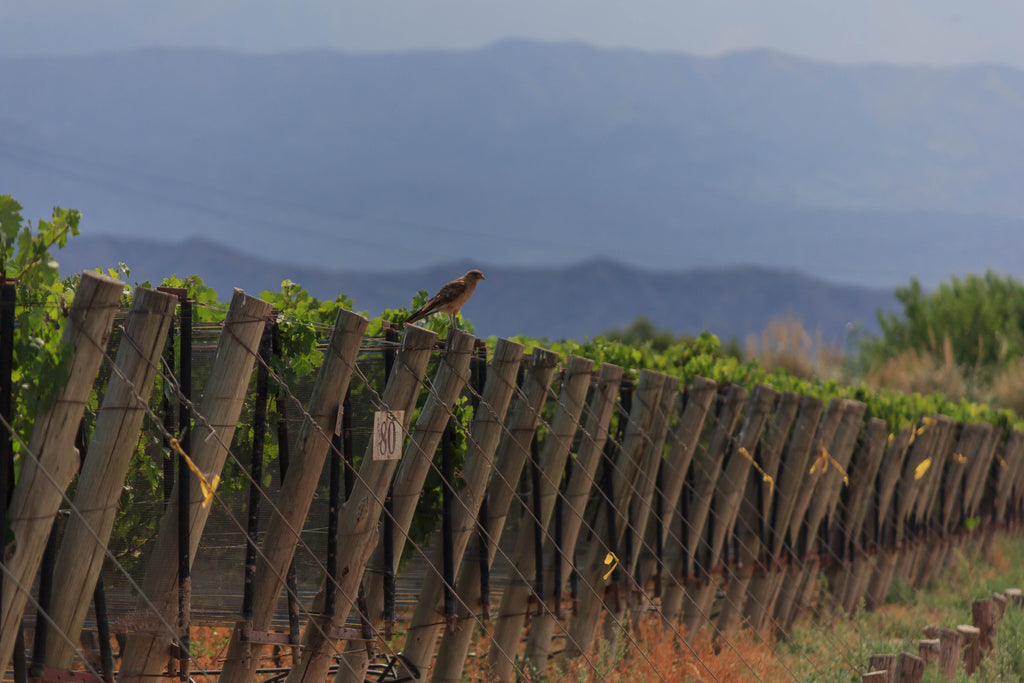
(786, 345)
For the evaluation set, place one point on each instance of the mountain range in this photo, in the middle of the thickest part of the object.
(530, 155)
(574, 301)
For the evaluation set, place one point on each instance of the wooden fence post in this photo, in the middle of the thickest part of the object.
(145, 654)
(909, 668)
(501, 492)
(886, 663)
(758, 518)
(764, 590)
(635, 444)
(52, 460)
(683, 443)
(707, 466)
(358, 517)
(588, 456)
(950, 642)
(926, 545)
(972, 646)
(884, 517)
(296, 494)
(734, 486)
(428, 618)
(451, 655)
(790, 590)
(751, 529)
(822, 510)
(452, 374)
(111, 448)
(985, 616)
(849, 583)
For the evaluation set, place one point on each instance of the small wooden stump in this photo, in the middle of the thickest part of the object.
(909, 668)
(949, 650)
(928, 650)
(1000, 601)
(886, 663)
(985, 616)
(1013, 595)
(972, 646)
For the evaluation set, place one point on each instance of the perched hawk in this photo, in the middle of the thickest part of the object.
(452, 297)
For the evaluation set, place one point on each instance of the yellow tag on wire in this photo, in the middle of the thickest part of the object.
(609, 559)
(826, 459)
(962, 459)
(922, 468)
(208, 487)
(764, 475)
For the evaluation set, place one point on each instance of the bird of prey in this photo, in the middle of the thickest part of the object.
(450, 299)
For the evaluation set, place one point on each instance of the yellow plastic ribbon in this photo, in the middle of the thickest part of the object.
(826, 459)
(208, 487)
(921, 468)
(926, 423)
(764, 475)
(609, 559)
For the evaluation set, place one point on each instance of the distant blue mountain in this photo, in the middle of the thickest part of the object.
(532, 155)
(575, 301)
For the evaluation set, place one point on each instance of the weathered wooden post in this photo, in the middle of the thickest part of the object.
(635, 443)
(884, 514)
(729, 491)
(849, 584)
(972, 647)
(789, 591)
(110, 450)
(985, 617)
(886, 663)
(707, 467)
(682, 444)
(451, 377)
(358, 518)
(833, 466)
(51, 460)
(454, 646)
(501, 491)
(426, 623)
(925, 543)
(296, 495)
(949, 649)
(755, 507)
(588, 455)
(764, 588)
(146, 654)
(909, 668)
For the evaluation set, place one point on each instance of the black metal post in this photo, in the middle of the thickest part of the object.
(259, 432)
(283, 458)
(99, 598)
(477, 379)
(7, 303)
(170, 420)
(485, 565)
(388, 534)
(659, 526)
(538, 532)
(447, 542)
(558, 515)
(45, 597)
(184, 492)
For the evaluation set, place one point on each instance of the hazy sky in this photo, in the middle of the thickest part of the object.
(901, 31)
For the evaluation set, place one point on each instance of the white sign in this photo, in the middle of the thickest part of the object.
(387, 434)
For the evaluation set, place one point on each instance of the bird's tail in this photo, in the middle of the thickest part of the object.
(418, 314)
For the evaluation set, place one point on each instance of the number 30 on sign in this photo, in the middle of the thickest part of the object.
(387, 434)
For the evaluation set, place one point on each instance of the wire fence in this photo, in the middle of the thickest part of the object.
(714, 509)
